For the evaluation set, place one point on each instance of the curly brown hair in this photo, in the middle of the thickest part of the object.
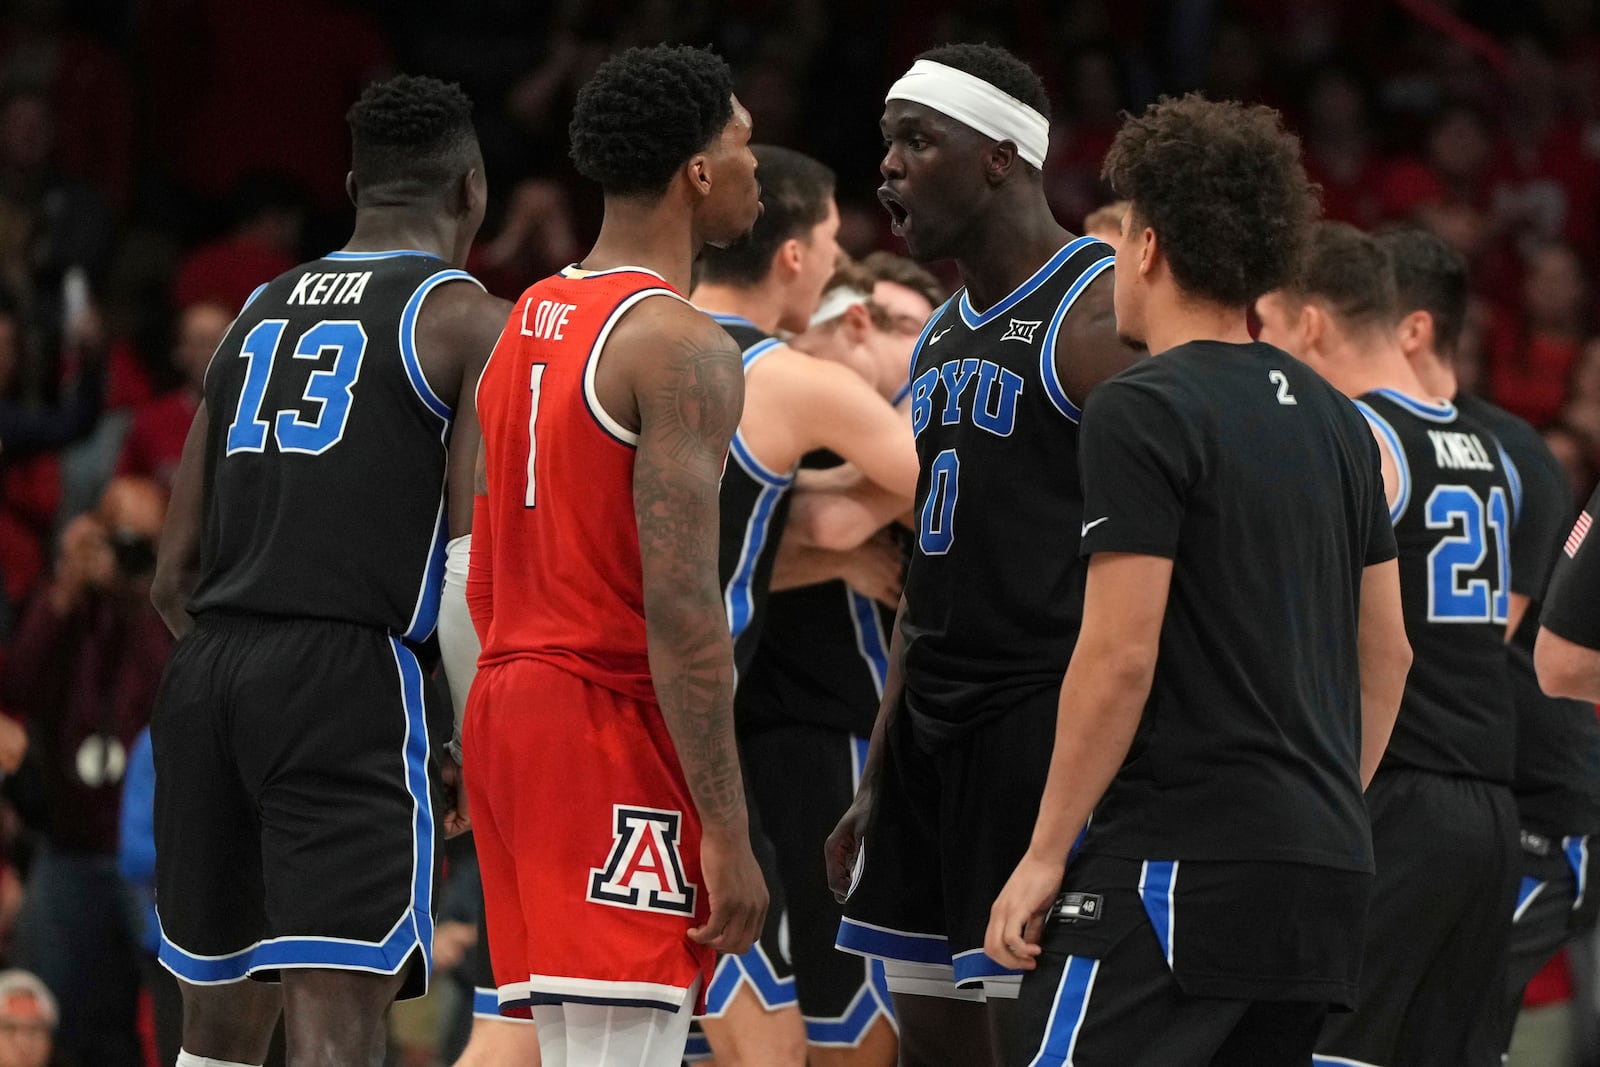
(1222, 185)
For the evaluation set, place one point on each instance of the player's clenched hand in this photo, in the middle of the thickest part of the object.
(1017, 918)
(456, 819)
(876, 569)
(844, 844)
(737, 891)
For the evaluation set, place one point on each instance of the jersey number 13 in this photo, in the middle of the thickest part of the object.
(329, 389)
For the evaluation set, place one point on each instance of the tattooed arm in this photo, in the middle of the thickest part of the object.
(689, 391)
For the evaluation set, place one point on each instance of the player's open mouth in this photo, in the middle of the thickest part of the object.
(899, 214)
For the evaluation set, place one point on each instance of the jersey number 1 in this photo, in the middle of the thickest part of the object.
(535, 379)
(330, 388)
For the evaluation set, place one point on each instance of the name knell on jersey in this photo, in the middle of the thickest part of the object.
(1457, 451)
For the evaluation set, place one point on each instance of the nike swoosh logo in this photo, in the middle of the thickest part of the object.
(934, 339)
(1091, 525)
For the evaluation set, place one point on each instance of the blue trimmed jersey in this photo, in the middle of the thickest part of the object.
(326, 448)
(1558, 741)
(754, 507)
(994, 593)
(1459, 501)
(824, 653)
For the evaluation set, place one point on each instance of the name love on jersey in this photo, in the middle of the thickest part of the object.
(980, 388)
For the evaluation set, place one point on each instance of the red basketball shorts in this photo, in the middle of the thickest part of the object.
(587, 839)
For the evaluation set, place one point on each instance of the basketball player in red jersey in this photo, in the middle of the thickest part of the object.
(604, 782)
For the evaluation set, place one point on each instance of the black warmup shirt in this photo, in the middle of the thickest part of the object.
(1262, 484)
(754, 505)
(1453, 522)
(325, 453)
(994, 594)
(1570, 607)
(1557, 782)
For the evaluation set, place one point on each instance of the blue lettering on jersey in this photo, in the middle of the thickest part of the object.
(955, 375)
(993, 404)
(997, 413)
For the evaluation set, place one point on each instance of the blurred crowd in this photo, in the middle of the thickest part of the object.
(159, 159)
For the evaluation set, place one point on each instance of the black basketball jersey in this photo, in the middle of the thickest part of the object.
(823, 657)
(754, 505)
(1263, 486)
(994, 594)
(325, 456)
(1453, 522)
(1557, 782)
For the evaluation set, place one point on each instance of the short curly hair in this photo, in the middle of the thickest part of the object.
(1222, 185)
(996, 66)
(1349, 272)
(411, 136)
(645, 112)
(1429, 276)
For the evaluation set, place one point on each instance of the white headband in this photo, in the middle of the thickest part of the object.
(973, 102)
(836, 302)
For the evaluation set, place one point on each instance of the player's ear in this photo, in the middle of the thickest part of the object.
(787, 260)
(1149, 251)
(857, 323)
(698, 173)
(1312, 324)
(999, 161)
(1416, 333)
(350, 186)
(470, 192)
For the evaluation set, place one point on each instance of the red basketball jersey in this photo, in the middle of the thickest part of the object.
(564, 544)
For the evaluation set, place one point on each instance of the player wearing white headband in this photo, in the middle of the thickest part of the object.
(992, 600)
(768, 282)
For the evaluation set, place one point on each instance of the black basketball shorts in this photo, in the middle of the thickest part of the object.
(804, 777)
(1433, 970)
(295, 820)
(950, 824)
(1556, 903)
(1191, 964)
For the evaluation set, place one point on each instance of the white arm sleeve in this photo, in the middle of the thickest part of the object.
(458, 641)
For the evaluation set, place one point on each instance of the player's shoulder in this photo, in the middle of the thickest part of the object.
(1515, 434)
(460, 317)
(794, 371)
(669, 321)
(1142, 387)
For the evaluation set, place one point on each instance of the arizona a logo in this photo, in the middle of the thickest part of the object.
(643, 870)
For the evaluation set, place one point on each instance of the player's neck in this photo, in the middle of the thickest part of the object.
(760, 305)
(656, 236)
(384, 229)
(1436, 375)
(1173, 319)
(1375, 362)
(1008, 248)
